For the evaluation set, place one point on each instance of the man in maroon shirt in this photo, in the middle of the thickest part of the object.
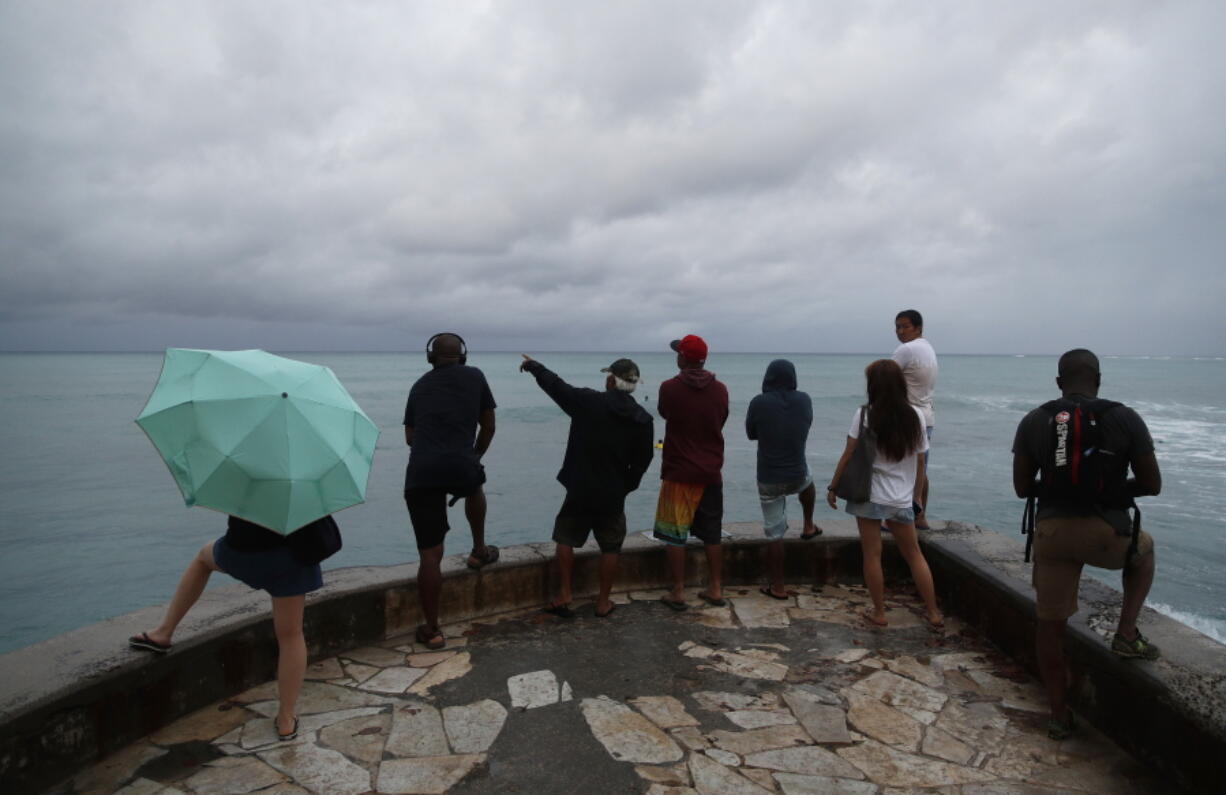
(694, 405)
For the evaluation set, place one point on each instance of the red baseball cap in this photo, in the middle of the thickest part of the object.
(691, 346)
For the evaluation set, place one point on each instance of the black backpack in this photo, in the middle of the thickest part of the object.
(1079, 470)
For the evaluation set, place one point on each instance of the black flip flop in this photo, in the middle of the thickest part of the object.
(144, 643)
(711, 600)
(292, 735)
(766, 590)
(431, 640)
(606, 613)
(677, 606)
(561, 611)
(811, 536)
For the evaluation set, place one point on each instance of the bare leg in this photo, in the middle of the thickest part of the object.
(430, 583)
(774, 567)
(715, 570)
(808, 498)
(474, 512)
(1049, 649)
(1137, 581)
(608, 570)
(291, 656)
(566, 565)
(921, 575)
(191, 585)
(674, 557)
(874, 578)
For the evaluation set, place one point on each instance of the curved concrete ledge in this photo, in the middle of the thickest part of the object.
(72, 700)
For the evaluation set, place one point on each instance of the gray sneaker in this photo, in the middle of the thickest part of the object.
(1138, 647)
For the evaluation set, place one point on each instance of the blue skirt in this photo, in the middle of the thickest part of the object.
(273, 570)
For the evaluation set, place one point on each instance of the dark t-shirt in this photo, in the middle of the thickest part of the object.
(443, 408)
(1125, 437)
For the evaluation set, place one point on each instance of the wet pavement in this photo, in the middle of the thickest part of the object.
(760, 695)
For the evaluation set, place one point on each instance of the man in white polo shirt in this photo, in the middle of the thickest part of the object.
(919, 367)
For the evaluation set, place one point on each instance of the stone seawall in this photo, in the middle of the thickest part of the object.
(74, 699)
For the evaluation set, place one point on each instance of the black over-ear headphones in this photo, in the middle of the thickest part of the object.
(431, 355)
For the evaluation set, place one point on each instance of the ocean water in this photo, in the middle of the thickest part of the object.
(93, 526)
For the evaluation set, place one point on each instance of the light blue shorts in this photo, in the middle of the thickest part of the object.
(773, 497)
(884, 513)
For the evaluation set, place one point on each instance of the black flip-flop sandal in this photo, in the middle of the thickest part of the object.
(291, 735)
(766, 590)
(677, 606)
(431, 640)
(561, 611)
(144, 643)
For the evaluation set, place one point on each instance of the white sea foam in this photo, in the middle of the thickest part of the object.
(1212, 627)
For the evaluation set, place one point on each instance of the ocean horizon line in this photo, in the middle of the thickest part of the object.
(288, 351)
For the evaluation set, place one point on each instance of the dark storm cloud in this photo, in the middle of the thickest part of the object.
(575, 175)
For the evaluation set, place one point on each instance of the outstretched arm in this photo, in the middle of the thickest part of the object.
(562, 393)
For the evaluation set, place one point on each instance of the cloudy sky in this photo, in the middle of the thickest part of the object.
(579, 175)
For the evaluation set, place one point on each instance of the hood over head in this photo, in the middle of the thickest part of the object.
(780, 376)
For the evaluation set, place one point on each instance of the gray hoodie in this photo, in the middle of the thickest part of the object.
(779, 420)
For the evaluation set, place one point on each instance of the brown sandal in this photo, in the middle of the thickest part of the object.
(476, 561)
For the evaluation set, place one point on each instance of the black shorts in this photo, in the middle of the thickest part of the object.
(708, 525)
(576, 520)
(428, 513)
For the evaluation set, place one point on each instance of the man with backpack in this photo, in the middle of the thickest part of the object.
(1082, 448)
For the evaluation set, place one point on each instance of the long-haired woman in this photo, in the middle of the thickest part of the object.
(898, 473)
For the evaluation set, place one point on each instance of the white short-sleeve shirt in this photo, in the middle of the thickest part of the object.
(893, 481)
(919, 367)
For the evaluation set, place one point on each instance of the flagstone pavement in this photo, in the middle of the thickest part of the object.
(761, 695)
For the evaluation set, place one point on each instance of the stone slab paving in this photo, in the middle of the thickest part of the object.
(760, 696)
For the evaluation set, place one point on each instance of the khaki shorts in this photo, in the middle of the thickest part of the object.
(1062, 546)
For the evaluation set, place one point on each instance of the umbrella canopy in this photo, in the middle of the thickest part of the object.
(272, 440)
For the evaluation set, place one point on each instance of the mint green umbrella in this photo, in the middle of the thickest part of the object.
(272, 440)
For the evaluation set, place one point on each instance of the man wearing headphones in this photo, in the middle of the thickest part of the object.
(448, 426)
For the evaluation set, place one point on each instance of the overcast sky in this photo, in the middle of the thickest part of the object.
(607, 176)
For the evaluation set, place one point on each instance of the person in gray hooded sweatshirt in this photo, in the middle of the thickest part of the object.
(779, 420)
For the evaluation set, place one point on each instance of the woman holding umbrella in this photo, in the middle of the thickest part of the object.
(266, 561)
(279, 446)
(896, 428)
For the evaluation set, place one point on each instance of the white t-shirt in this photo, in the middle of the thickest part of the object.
(893, 481)
(919, 367)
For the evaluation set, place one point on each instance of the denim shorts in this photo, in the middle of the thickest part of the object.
(884, 513)
(773, 497)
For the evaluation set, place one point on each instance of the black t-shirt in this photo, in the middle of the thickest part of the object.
(1124, 433)
(442, 409)
(250, 537)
